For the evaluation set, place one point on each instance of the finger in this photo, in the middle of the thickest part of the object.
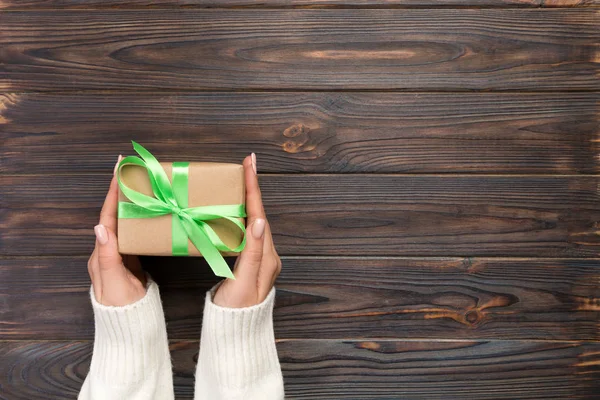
(254, 205)
(108, 215)
(250, 258)
(109, 259)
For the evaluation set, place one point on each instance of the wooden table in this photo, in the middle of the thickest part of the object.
(430, 169)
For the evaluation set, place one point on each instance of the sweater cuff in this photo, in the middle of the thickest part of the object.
(238, 344)
(130, 341)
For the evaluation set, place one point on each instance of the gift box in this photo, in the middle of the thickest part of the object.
(198, 211)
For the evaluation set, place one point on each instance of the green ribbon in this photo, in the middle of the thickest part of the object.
(188, 222)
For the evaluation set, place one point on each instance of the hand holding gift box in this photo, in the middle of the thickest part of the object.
(181, 209)
(127, 303)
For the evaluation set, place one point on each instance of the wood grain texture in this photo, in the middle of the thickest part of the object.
(353, 215)
(570, 3)
(348, 369)
(433, 285)
(308, 132)
(37, 4)
(444, 49)
(542, 299)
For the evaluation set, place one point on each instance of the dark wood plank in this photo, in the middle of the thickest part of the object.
(397, 49)
(87, 4)
(42, 4)
(347, 369)
(47, 298)
(570, 3)
(37, 4)
(354, 215)
(308, 132)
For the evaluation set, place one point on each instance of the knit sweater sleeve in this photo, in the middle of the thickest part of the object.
(238, 358)
(131, 359)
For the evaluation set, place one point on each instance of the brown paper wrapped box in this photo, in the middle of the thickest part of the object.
(208, 184)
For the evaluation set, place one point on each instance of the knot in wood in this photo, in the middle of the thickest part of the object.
(298, 136)
(472, 317)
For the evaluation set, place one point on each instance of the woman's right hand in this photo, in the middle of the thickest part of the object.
(117, 281)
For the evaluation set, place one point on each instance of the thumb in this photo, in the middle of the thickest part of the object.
(108, 250)
(249, 261)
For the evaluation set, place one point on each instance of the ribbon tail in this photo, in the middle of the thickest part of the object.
(210, 253)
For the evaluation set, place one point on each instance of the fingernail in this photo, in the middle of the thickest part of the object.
(258, 228)
(101, 234)
(117, 164)
(253, 157)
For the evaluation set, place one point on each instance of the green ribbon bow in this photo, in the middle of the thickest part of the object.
(173, 199)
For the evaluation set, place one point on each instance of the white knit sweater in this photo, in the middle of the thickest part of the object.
(131, 359)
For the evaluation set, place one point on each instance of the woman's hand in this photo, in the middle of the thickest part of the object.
(117, 281)
(258, 265)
